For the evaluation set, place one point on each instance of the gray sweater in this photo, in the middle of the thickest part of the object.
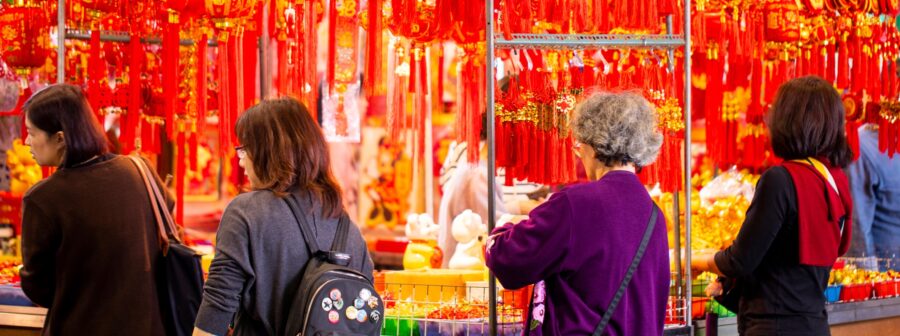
(260, 254)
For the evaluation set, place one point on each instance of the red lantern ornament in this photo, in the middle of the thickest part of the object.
(24, 40)
(782, 21)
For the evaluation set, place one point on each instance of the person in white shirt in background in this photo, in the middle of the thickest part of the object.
(465, 187)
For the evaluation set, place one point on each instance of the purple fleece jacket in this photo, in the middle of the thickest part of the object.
(577, 247)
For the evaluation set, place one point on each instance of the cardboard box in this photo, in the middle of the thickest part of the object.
(430, 286)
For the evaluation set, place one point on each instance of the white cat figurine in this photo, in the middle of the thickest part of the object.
(422, 251)
(469, 232)
(421, 226)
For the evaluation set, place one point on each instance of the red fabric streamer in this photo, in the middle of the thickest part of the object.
(202, 73)
(843, 65)
(180, 163)
(831, 62)
(95, 74)
(892, 79)
(373, 74)
(310, 73)
(171, 43)
(250, 75)
(193, 144)
(852, 128)
(132, 116)
(332, 45)
(440, 74)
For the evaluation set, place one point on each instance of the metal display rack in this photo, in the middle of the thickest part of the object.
(567, 41)
(526, 41)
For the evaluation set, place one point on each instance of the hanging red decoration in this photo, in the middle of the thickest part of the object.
(782, 21)
(131, 117)
(24, 38)
(374, 76)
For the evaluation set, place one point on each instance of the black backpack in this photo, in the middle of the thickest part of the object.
(331, 298)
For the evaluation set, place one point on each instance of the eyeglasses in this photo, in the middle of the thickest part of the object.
(576, 147)
(241, 153)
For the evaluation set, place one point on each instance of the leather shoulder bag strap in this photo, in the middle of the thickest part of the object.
(159, 214)
(634, 264)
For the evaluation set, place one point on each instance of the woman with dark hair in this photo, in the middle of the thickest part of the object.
(798, 222)
(260, 252)
(89, 235)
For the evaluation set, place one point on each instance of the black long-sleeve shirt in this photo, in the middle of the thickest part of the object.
(778, 295)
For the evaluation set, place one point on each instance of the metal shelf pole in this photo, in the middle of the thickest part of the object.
(491, 161)
(687, 159)
(61, 41)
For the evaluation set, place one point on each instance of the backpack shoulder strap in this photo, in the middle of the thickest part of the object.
(340, 236)
(311, 244)
(634, 263)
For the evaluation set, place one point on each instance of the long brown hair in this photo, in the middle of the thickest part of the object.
(807, 120)
(287, 150)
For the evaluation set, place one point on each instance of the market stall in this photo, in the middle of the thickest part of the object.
(395, 83)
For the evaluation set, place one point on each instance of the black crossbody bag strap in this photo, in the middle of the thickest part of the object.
(634, 264)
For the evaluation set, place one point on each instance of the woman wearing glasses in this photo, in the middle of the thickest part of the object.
(260, 252)
(582, 241)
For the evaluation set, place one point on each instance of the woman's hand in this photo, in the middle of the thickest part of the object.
(714, 289)
(704, 262)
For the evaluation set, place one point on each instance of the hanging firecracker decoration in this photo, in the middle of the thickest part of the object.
(295, 28)
(372, 20)
(411, 95)
(533, 138)
(129, 121)
(668, 166)
(753, 136)
(236, 58)
(468, 20)
(340, 110)
(24, 38)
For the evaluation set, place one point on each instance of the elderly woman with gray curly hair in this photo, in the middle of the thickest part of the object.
(577, 247)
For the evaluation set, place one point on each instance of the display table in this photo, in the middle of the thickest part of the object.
(872, 317)
(15, 320)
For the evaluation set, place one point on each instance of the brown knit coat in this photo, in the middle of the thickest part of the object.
(90, 250)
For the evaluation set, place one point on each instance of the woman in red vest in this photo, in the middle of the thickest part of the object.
(799, 220)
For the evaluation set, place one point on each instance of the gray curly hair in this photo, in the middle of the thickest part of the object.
(620, 127)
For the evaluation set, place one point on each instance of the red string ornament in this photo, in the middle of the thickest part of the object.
(25, 38)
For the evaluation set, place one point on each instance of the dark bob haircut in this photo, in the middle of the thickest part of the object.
(288, 150)
(63, 107)
(807, 120)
